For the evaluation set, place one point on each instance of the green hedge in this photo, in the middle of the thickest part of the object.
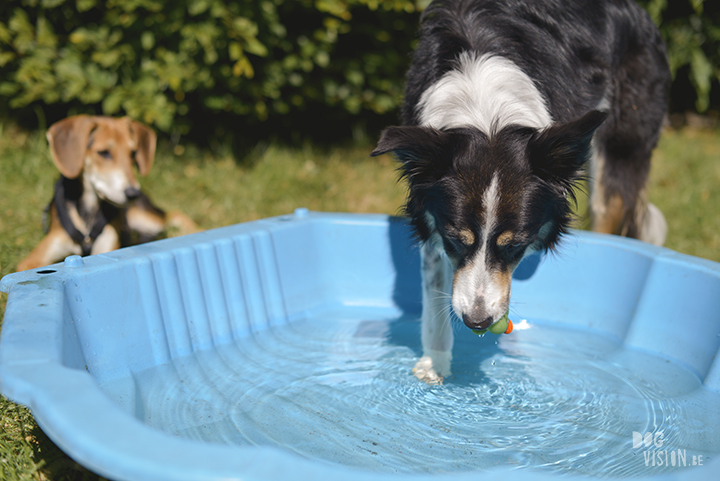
(170, 63)
(691, 29)
(207, 64)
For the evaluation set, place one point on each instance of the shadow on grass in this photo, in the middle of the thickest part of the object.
(54, 464)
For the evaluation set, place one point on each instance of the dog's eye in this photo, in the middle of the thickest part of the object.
(451, 247)
(105, 154)
(455, 246)
(513, 252)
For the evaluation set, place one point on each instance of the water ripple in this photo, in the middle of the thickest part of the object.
(340, 389)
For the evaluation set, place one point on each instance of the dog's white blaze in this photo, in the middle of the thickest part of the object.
(488, 92)
(476, 279)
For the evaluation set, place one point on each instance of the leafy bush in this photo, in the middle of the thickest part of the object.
(691, 29)
(169, 63)
(218, 67)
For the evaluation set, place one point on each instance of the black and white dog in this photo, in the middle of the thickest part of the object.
(506, 101)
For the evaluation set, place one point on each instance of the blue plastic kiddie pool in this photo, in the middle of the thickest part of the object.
(282, 349)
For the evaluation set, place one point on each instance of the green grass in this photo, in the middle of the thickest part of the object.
(210, 187)
(685, 185)
(215, 190)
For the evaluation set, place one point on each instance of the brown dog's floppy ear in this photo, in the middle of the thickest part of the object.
(68, 141)
(145, 139)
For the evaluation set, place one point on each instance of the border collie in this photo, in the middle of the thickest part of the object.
(506, 102)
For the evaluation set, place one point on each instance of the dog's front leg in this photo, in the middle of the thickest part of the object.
(437, 334)
(108, 240)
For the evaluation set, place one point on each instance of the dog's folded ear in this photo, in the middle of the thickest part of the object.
(559, 153)
(146, 141)
(68, 141)
(425, 153)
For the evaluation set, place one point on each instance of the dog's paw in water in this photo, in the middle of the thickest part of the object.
(433, 368)
(424, 371)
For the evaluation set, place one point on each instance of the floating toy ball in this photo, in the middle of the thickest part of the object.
(504, 325)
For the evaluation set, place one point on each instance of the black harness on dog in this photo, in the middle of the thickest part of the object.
(71, 190)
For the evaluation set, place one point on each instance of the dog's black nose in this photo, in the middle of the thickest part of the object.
(132, 193)
(473, 323)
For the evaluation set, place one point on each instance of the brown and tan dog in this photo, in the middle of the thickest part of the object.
(98, 205)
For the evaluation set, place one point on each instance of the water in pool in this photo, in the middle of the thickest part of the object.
(338, 387)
